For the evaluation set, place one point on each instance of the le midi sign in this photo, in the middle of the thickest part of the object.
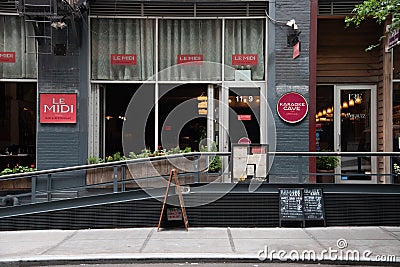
(57, 108)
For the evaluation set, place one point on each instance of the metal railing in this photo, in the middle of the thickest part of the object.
(117, 181)
(43, 183)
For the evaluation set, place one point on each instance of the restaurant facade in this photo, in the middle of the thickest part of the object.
(89, 79)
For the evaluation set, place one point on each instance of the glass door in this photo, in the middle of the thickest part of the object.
(355, 128)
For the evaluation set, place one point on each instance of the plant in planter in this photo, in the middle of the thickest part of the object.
(326, 164)
(20, 184)
(396, 172)
(396, 169)
(216, 163)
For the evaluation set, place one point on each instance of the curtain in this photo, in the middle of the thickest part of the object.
(245, 36)
(190, 37)
(122, 36)
(13, 38)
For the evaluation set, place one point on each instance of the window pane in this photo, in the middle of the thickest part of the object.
(122, 49)
(13, 39)
(243, 40)
(396, 62)
(396, 116)
(182, 41)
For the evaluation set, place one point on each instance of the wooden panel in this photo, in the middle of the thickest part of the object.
(341, 55)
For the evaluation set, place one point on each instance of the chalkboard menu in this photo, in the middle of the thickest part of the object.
(313, 204)
(291, 204)
(298, 204)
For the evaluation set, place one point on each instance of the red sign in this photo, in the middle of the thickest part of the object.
(244, 140)
(57, 108)
(190, 58)
(292, 107)
(123, 59)
(244, 117)
(7, 57)
(296, 50)
(258, 150)
(244, 59)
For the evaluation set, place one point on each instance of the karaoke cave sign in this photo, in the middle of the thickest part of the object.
(57, 108)
(292, 107)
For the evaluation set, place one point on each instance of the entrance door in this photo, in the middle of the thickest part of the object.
(355, 128)
(242, 114)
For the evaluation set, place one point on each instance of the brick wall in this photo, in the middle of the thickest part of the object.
(62, 145)
(286, 74)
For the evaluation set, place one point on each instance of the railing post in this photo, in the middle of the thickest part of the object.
(196, 169)
(115, 180)
(33, 189)
(49, 186)
(123, 176)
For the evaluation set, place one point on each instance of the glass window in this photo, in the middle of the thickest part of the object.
(396, 116)
(185, 41)
(13, 39)
(396, 128)
(324, 118)
(244, 47)
(122, 49)
(396, 63)
(17, 124)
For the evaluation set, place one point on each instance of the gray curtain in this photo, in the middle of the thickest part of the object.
(182, 37)
(245, 36)
(122, 36)
(13, 32)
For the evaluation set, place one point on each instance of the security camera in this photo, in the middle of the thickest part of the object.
(292, 23)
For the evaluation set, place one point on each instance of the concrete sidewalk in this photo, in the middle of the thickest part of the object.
(370, 245)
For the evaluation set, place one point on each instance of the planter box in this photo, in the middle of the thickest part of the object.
(138, 171)
(329, 178)
(18, 184)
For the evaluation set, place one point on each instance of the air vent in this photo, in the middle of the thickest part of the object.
(169, 9)
(8, 6)
(336, 7)
(122, 8)
(179, 9)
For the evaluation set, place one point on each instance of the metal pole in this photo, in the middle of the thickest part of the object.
(115, 180)
(123, 176)
(33, 189)
(196, 169)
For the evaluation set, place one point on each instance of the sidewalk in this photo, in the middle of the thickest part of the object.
(375, 244)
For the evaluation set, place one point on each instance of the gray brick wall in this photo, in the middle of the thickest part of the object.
(63, 145)
(287, 74)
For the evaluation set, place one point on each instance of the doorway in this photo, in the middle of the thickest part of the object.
(355, 112)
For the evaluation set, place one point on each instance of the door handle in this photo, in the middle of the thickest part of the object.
(339, 142)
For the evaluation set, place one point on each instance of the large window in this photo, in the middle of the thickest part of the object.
(13, 38)
(245, 38)
(186, 54)
(113, 39)
(175, 42)
(17, 124)
(182, 39)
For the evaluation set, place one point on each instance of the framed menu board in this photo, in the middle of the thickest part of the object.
(301, 204)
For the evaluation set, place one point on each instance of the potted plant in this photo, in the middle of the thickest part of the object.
(326, 164)
(396, 173)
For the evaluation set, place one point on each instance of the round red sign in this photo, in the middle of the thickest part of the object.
(292, 107)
